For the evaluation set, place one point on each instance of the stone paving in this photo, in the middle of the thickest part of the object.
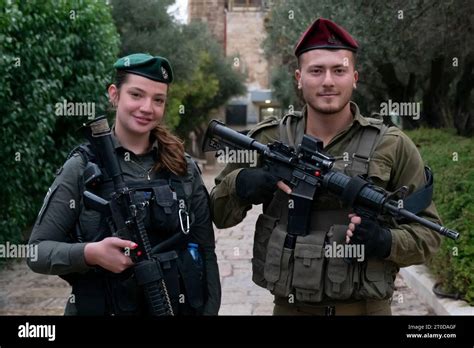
(23, 292)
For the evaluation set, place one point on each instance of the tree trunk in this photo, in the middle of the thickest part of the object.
(397, 91)
(464, 100)
(435, 97)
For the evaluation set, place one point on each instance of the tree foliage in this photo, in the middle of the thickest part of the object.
(50, 52)
(410, 51)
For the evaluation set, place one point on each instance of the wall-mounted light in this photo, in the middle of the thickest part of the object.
(268, 101)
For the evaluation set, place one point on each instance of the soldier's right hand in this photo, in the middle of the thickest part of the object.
(109, 254)
(257, 185)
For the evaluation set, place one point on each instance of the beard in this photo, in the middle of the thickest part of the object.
(327, 109)
(318, 104)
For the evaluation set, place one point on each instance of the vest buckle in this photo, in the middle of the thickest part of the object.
(361, 158)
(182, 212)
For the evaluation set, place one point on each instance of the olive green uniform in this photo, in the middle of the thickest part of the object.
(361, 288)
(59, 252)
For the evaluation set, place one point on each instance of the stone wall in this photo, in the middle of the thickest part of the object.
(245, 34)
(211, 12)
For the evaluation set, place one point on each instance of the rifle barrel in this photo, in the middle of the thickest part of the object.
(241, 140)
(427, 223)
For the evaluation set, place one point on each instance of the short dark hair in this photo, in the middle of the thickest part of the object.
(120, 78)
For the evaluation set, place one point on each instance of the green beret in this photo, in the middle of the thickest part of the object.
(155, 68)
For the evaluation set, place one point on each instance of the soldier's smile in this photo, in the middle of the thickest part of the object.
(328, 94)
(142, 120)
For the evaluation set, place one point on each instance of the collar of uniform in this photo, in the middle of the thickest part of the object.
(357, 116)
(115, 141)
(118, 145)
(301, 124)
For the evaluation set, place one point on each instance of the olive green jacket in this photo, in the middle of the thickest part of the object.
(395, 162)
(59, 253)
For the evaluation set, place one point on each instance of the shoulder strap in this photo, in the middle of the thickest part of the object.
(85, 151)
(421, 199)
(286, 132)
(368, 141)
(178, 182)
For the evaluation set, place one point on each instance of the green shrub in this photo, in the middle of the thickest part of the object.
(51, 51)
(452, 161)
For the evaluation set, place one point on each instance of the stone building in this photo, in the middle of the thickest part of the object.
(238, 26)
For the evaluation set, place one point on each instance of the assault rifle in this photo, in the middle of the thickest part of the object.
(125, 214)
(308, 169)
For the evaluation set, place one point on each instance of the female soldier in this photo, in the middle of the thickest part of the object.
(74, 241)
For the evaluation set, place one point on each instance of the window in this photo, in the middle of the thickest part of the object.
(236, 115)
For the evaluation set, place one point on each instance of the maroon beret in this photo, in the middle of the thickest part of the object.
(326, 34)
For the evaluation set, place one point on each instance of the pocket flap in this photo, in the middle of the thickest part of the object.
(164, 197)
(337, 233)
(337, 270)
(375, 270)
(308, 251)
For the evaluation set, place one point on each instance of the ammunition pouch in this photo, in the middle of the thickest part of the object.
(164, 209)
(193, 284)
(309, 267)
(278, 270)
(309, 275)
(264, 227)
(377, 279)
(342, 275)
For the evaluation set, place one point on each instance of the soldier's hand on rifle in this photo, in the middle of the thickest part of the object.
(376, 239)
(109, 254)
(257, 185)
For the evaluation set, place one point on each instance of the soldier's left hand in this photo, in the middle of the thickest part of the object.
(376, 239)
(355, 220)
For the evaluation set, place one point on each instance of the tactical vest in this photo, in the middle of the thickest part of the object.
(100, 292)
(304, 271)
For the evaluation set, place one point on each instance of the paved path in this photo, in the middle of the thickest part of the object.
(23, 292)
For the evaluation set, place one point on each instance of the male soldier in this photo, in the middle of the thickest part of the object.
(302, 277)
